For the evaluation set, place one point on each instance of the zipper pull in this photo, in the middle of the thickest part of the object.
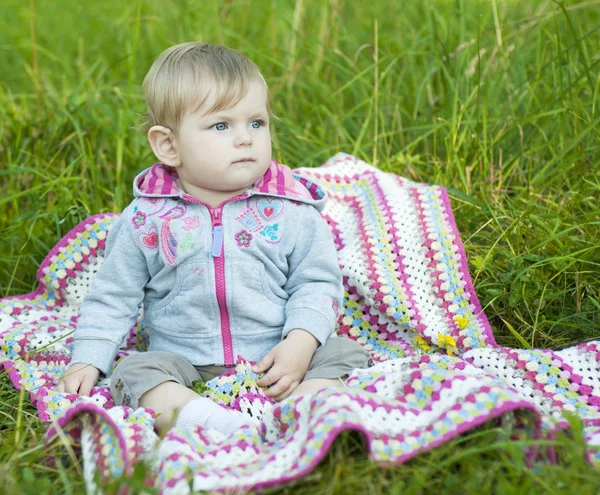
(217, 232)
(217, 240)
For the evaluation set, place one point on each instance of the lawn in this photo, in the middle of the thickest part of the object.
(495, 100)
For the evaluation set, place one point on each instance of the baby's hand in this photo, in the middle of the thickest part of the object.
(288, 362)
(78, 379)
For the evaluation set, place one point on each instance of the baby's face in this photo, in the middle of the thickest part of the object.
(224, 153)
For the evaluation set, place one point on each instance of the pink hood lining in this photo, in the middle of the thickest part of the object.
(279, 180)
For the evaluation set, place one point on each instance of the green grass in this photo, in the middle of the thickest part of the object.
(495, 100)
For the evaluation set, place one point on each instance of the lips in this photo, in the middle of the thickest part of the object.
(243, 160)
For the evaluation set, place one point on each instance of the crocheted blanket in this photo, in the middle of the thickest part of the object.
(409, 300)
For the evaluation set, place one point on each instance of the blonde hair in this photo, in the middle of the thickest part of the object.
(183, 76)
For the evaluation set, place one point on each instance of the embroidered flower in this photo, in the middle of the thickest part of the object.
(243, 238)
(187, 244)
(139, 219)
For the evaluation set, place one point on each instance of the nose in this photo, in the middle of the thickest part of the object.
(243, 137)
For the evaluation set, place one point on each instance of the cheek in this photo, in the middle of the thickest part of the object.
(188, 143)
(265, 142)
(201, 147)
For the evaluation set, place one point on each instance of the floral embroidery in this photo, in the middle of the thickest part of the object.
(139, 219)
(191, 223)
(243, 238)
(187, 244)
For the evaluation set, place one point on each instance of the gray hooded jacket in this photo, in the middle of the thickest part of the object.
(215, 283)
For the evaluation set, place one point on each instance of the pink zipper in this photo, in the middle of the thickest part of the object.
(218, 255)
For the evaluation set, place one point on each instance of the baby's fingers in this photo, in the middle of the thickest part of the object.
(265, 363)
(288, 392)
(280, 387)
(85, 388)
(271, 377)
(68, 385)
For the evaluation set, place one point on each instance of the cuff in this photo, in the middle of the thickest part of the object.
(98, 353)
(310, 320)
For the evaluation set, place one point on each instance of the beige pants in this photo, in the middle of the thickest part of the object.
(138, 373)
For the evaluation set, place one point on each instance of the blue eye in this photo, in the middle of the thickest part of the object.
(257, 124)
(220, 126)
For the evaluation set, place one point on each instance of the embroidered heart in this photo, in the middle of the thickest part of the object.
(149, 238)
(269, 208)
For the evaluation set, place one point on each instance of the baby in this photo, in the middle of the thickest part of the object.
(225, 249)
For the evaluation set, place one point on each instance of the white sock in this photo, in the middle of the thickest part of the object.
(205, 412)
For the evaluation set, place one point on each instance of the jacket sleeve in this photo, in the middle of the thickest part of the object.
(111, 307)
(315, 280)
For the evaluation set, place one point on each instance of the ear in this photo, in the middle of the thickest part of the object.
(162, 141)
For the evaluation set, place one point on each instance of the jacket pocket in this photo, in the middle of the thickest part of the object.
(190, 307)
(254, 307)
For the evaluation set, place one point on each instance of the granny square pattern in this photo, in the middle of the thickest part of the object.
(409, 301)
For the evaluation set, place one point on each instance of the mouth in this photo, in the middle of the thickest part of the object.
(245, 160)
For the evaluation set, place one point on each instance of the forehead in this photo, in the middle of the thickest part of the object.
(251, 96)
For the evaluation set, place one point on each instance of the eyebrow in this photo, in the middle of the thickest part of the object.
(225, 116)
